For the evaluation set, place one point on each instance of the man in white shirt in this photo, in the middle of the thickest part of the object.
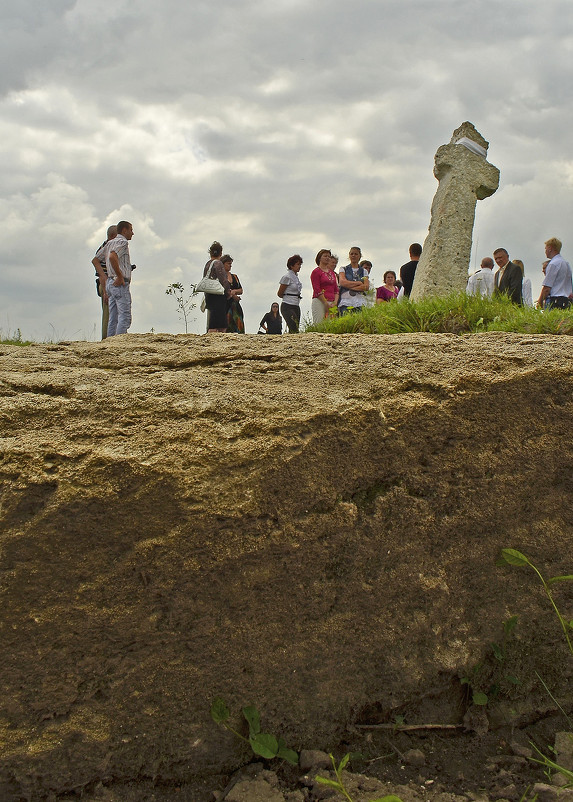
(482, 281)
(557, 286)
(118, 280)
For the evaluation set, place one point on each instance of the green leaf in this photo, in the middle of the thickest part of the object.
(253, 719)
(344, 762)
(568, 578)
(514, 557)
(498, 652)
(479, 698)
(219, 711)
(513, 680)
(326, 781)
(510, 624)
(288, 754)
(264, 745)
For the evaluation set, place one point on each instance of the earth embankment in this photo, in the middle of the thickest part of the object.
(307, 523)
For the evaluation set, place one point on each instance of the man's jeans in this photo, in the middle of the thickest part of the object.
(558, 302)
(119, 308)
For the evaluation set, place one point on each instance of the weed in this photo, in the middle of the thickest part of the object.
(338, 784)
(551, 765)
(262, 743)
(13, 338)
(184, 305)
(513, 557)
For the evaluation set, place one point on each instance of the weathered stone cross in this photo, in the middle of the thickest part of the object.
(465, 177)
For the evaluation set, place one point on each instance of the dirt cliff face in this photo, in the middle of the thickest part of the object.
(307, 523)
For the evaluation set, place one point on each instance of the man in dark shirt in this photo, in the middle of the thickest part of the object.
(509, 278)
(408, 271)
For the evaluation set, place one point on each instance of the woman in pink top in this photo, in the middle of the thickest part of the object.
(388, 291)
(324, 286)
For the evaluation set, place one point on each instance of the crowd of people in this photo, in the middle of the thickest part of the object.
(556, 286)
(335, 291)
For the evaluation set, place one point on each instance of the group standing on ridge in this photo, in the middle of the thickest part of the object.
(556, 287)
(335, 291)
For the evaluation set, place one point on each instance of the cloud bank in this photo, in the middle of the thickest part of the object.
(275, 128)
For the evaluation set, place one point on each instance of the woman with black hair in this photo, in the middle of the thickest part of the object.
(272, 322)
(235, 317)
(290, 289)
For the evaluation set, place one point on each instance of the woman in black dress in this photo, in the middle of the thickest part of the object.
(272, 322)
(235, 319)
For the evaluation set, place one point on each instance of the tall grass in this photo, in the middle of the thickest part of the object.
(457, 313)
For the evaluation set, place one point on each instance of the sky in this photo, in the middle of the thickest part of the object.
(273, 126)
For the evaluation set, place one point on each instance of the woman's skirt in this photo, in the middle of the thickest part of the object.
(235, 322)
(217, 309)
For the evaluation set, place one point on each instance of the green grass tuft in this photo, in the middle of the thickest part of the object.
(457, 313)
(13, 338)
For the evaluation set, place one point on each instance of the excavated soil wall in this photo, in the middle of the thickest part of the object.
(306, 523)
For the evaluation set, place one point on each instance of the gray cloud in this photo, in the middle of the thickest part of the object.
(275, 128)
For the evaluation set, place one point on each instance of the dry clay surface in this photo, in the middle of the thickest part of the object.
(307, 523)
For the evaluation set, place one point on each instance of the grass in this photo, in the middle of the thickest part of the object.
(13, 338)
(456, 314)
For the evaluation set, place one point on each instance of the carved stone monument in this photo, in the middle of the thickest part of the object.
(465, 177)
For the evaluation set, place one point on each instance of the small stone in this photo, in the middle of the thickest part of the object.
(520, 750)
(564, 749)
(368, 784)
(254, 791)
(323, 792)
(507, 792)
(415, 757)
(311, 759)
(549, 793)
(270, 777)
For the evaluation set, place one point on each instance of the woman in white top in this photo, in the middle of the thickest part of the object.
(290, 289)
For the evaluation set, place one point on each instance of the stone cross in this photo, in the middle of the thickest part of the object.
(465, 177)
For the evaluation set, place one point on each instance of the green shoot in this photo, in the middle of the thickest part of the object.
(263, 744)
(339, 786)
(514, 557)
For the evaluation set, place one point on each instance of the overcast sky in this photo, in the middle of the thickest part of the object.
(273, 126)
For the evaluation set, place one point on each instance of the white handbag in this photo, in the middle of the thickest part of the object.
(212, 286)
